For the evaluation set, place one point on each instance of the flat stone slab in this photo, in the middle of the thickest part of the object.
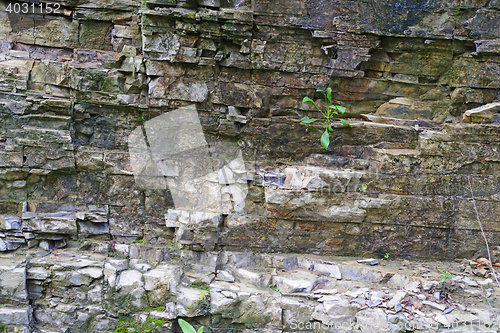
(482, 113)
(15, 316)
(360, 274)
(13, 282)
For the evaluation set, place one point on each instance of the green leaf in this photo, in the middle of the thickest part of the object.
(329, 94)
(330, 128)
(345, 122)
(334, 108)
(340, 109)
(325, 139)
(307, 99)
(200, 330)
(307, 120)
(186, 327)
(323, 92)
(364, 187)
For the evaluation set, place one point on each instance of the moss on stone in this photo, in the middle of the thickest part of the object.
(125, 324)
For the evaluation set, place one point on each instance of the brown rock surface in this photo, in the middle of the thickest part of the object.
(75, 84)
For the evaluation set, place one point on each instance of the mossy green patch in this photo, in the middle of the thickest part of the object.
(149, 326)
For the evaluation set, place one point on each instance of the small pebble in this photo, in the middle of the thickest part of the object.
(371, 262)
(448, 310)
(435, 305)
(374, 303)
(42, 254)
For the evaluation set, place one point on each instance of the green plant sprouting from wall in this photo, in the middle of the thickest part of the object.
(188, 328)
(329, 115)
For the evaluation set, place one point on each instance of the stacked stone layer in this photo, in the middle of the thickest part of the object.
(75, 84)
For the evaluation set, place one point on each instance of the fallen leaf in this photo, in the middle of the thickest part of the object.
(482, 261)
(405, 299)
(496, 264)
(413, 287)
(417, 304)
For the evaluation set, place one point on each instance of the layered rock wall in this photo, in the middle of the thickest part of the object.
(76, 82)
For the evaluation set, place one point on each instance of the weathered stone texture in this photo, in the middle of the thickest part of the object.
(75, 85)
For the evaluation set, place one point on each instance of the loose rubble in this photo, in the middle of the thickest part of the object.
(85, 291)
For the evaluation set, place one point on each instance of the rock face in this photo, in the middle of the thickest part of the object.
(88, 93)
(81, 86)
(277, 292)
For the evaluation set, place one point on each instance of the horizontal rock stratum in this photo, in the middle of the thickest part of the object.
(91, 158)
(79, 291)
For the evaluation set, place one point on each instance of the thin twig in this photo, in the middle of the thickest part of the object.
(482, 232)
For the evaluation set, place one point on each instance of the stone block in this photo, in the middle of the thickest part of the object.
(485, 24)
(51, 223)
(126, 221)
(188, 90)
(102, 80)
(296, 281)
(54, 31)
(93, 221)
(162, 47)
(298, 205)
(130, 291)
(16, 316)
(354, 273)
(321, 267)
(46, 121)
(334, 310)
(488, 46)
(49, 158)
(95, 35)
(10, 222)
(296, 311)
(370, 320)
(161, 282)
(37, 273)
(13, 282)
(482, 114)
(255, 276)
(11, 159)
(405, 108)
(11, 244)
(249, 313)
(55, 73)
(468, 71)
(194, 301)
(236, 94)
(120, 190)
(40, 137)
(431, 63)
(77, 278)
